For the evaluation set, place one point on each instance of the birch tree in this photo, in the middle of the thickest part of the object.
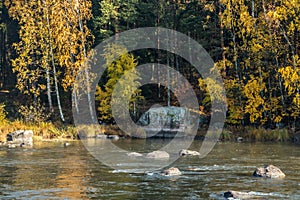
(54, 43)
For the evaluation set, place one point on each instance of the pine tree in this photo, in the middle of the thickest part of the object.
(115, 71)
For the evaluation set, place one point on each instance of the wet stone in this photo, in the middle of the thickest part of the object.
(20, 138)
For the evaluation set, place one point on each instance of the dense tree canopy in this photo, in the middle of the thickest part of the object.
(255, 45)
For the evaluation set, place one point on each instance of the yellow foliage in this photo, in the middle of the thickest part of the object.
(62, 39)
(291, 78)
(255, 103)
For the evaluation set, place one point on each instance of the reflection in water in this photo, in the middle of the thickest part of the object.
(51, 171)
(71, 175)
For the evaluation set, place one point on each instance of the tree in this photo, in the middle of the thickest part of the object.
(263, 41)
(115, 16)
(115, 71)
(53, 46)
(8, 35)
(29, 65)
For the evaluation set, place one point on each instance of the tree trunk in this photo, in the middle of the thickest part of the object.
(54, 69)
(276, 60)
(222, 39)
(158, 51)
(235, 58)
(190, 57)
(86, 70)
(168, 75)
(49, 89)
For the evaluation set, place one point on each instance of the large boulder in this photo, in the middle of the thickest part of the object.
(173, 171)
(159, 117)
(22, 138)
(184, 152)
(269, 171)
(158, 155)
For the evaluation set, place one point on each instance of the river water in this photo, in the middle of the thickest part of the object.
(52, 171)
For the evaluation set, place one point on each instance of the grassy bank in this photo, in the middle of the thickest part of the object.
(257, 134)
(42, 130)
(49, 131)
(247, 133)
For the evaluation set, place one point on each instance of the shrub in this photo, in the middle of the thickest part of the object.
(261, 134)
(226, 135)
(3, 114)
(33, 113)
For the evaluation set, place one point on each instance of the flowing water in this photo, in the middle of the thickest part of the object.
(52, 171)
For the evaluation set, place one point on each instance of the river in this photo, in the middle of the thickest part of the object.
(52, 171)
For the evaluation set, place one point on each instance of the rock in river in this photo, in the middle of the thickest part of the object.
(66, 144)
(269, 171)
(238, 195)
(113, 137)
(158, 155)
(11, 146)
(184, 152)
(134, 154)
(173, 171)
(22, 138)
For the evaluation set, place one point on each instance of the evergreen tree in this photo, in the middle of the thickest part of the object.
(115, 71)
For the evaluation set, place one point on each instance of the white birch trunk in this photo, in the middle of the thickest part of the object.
(49, 89)
(86, 70)
(54, 70)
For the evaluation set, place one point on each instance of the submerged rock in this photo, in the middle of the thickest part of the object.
(11, 146)
(20, 138)
(158, 155)
(134, 154)
(66, 144)
(238, 195)
(269, 171)
(101, 136)
(184, 152)
(193, 168)
(173, 171)
(113, 137)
